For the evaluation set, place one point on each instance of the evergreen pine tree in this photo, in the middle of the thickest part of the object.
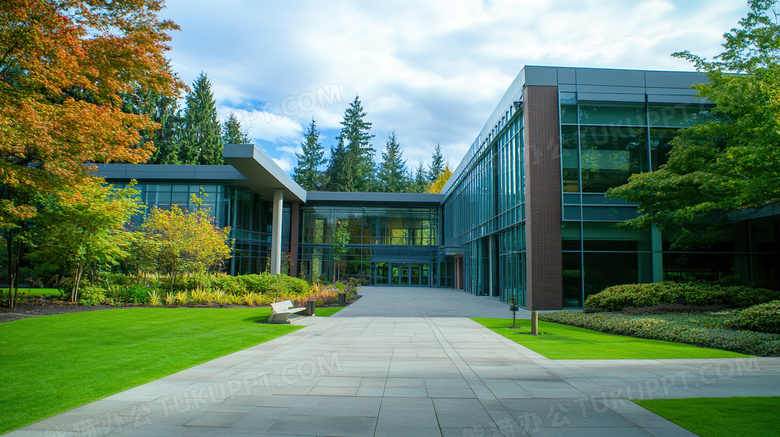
(163, 110)
(437, 165)
(340, 175)
(232, 133)
(307, 173)
(420, 181)
(201, 141)
(356, 135)
(392, 170)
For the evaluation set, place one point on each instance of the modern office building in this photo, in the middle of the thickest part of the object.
(523, 216)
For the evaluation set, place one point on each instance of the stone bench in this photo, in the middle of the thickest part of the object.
(282, 311)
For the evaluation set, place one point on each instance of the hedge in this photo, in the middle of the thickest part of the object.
(618, 297)
(661, 328)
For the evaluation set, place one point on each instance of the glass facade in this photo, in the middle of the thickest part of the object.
(247, 214)
(604, 143)
(484, 213)
(382, 245)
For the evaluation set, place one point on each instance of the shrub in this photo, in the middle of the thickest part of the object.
(92, 296)
(108, 278)
(666, 328)
(255, 283)
(618, 297)
(138, 294)
(228, 284)
(762, 318)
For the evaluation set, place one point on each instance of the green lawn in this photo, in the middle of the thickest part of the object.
(55, 363)
(561, 342)
(327, 311)
(721, 417)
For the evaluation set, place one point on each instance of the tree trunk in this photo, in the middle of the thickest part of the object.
(78, 271)
(14, 251)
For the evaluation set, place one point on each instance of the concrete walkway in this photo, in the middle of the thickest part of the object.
(409, 362)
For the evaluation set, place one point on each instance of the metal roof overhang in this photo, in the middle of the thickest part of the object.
(262, 173)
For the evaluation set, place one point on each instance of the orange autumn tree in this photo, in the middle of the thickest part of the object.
(64, 66)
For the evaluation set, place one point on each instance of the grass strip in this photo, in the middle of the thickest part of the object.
(55, 363)
(562, 342)
(30, 292)
(327, 311)
(721, 417)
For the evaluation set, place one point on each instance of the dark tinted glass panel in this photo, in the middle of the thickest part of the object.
(674, 115)
(610, 236)
(604, 270)
(570, 233)
(570, 158)
(620, 114)
(571, 213)
(568, 114)
(610, 154)
(659, 146)
(608, 213)
(572, 279)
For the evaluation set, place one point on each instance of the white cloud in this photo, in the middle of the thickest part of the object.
(432, 70)
(266, 126)
(285, 163)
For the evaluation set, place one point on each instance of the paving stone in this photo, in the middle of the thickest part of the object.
(410, 362)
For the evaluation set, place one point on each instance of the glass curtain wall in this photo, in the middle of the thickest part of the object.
(246, 213)
(391, 246)
(602, 145)
(485, 213)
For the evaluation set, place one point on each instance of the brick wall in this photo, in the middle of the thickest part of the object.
(542, 198)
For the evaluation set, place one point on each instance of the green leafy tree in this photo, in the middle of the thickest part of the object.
(438, 185)
(232, 133)
(392, 171)
(201, 138)
(65, 67)
(436, 168)
(352, 165)
(308, 173)
(727, 166)
(75, 229)
(183, 241)
(339, 243)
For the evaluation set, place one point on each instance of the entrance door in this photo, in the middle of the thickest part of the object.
(414, 275)
(381, 274)
(396, 273)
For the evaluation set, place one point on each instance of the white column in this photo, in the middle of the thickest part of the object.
(276, 233)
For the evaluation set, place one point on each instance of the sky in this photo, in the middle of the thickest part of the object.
(430, 70)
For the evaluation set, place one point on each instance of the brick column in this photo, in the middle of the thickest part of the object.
(294, 225)
(541, 137)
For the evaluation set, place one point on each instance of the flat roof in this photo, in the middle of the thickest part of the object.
(261, 172)
(173, 173)
(363, 198)
(249, 167)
